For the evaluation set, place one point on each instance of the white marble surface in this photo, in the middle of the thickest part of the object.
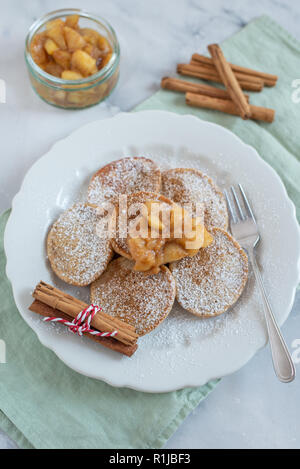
(249, 409)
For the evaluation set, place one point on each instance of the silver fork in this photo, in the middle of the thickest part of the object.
(244, 229)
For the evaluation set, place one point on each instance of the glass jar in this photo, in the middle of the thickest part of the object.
(75, 94)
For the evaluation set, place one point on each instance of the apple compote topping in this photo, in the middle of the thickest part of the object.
(69, 52)
(165, 233)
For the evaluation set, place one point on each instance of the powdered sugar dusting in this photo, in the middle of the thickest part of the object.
(190, 186)
(209, 283)
(124, 177)
(77, 255)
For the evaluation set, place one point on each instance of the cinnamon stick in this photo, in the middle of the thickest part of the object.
(182, 86)
(44, 310)
(207, 74)
(230, 81)
(72, 307)
(268, 78)
(81, 304)
(257, 113)
(212, 69)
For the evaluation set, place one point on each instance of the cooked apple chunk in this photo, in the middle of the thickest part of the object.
(104, 45)
(84, 63)
(62, 58)
(74, 40)
(90, 35)
(57, 35)
(55, 23)
(71, 75)
(72, 21)
(170, 234)
(53, 68)
(50, 46)
(64, 46)
(37, 49)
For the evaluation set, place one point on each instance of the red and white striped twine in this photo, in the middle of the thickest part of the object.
(82, 323)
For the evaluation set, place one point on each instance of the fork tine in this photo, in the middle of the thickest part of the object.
(230, 207)
(236, 199)
(247, 205)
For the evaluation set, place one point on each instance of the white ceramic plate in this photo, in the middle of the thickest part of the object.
(184, 350)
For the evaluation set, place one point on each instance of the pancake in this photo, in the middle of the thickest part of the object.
(124, 176)
(190, 186)
(213, 280)
(142, 301)
(76, 254)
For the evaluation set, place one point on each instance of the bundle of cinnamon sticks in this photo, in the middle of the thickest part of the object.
(50, 301)
(232, 99)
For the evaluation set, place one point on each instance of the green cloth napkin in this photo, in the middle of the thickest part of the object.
(43, 403)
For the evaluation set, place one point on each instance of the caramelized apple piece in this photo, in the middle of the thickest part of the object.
(144, 258)
(53, 69)
(50, 46)
(37, 49)
(173, 252)
(90, 35)
(93, 51)
(72, 21)
(104, 45)
(88, 49)
(105, 60)
(71, 75)
(60, 96)
(62, 58)
(57, 34)
(77, 98)
(171, 234)
(84, 63)
(197, 238)
(74, 40)
(101, 90)
(54, 23)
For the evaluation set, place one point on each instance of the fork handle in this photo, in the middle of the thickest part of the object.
(282, 361)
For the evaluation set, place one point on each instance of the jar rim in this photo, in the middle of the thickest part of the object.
(40, 22)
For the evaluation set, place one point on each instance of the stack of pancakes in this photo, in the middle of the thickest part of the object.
(206, 285)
